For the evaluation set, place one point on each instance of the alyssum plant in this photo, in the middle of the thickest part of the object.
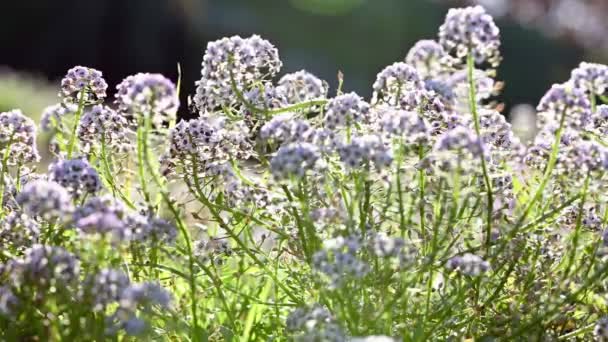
(283, 213)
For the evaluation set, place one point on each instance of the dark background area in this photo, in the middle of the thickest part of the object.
(358, 37)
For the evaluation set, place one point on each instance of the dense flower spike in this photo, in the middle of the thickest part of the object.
(150, 95)
(471, 30)
(231, 66)
(83, 84)
(302, 86)
(18, 135)
(46, 199)
(102, 125)
(591, 77)
(346, 110)
(76, 175)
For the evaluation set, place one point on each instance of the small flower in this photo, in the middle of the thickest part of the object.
(471, 30)
(591, 77)
(461, 139)
(428, 58)
(586, 156)
(146, 294)
(150, 229)
(52, 116)
(314, 323)
(366, 150)
(18, 134)
(284, 128)
(103, 215)
(302, 86)
(105, 287)
(212, 250)
(18, 230)
(398, 85)
(346, 110)
(601, 330)
(46, 199)
(294, 159)
(76, 175)
(86, 82)
(8, 301)
(231, 64)
(405, 124)
(206, 146)
(468, 264)
(102, 125)
(338, 261)
(565, 99)
(266, 97)
(150, 95)
(82, 82)
(44, 266)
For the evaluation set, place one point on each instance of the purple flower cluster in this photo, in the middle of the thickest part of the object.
(18, 135)
(151, 95)
(102, 125)
(83, 84)
(46, 199)
(76, 175)
(232, 65)
(472, 31)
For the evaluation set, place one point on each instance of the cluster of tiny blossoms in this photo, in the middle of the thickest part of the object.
(290, 211)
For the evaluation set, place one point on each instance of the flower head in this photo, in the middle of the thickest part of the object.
(468, 264)
(18, 134)
(398, 85)
(76, 175)
(302, 86)
(148, 94)
(428, 58)
(84, 82)
(102, 125)
(46, 199)
(294, 159)
(346, 109)
(471, 30)
(231, 64)
(565, 99)
(591, 77)
(52, 116)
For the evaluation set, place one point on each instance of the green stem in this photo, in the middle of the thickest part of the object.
(144, 156)
(76, 122)
(486, 177)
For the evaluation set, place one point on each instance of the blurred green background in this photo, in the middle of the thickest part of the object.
(43, 38)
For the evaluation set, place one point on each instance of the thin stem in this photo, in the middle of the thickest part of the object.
(76, 123)
(486, 177)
